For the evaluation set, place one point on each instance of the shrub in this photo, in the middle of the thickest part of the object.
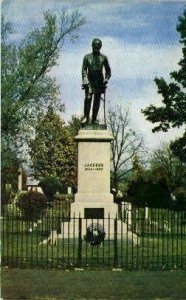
(32, 204)
(50, 186)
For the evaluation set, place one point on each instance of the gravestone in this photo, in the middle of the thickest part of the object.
(20, 179)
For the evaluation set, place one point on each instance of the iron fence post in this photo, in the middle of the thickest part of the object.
(115, 243)
(80, 242)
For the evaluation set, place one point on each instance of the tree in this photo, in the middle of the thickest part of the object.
(50, 186)
(145, 191)
(53, 150)
(160, 184)
(9, 171)
(173, 111)
(165, 164)
(27, 87)
(125, 146)
(74, 125)
(32, 205)
(146, 187)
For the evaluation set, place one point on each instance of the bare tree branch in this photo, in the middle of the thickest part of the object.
(126, 144)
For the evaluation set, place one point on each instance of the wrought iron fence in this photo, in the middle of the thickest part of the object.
(135, 239)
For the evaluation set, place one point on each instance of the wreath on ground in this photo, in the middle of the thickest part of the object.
(95, 234)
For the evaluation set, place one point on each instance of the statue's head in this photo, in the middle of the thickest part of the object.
(96, 45)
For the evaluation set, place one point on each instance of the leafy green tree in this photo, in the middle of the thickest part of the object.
(32, 205)
(173, 111)
(50, 186)
(138, 168)
(148, 186)
(27, 86)
(53, 150)
(74, 125)
(165, 164)
(180, 196)
(157, 185)
(9, 172)
(145, 191)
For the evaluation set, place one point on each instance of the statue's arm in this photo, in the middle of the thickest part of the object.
(84, 71)
(107, 69)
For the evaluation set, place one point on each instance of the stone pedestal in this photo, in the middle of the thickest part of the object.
(93, 201)
(93, 175)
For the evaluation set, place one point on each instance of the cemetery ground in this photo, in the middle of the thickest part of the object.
(35, 284)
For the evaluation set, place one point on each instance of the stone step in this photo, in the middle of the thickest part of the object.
(110, 227)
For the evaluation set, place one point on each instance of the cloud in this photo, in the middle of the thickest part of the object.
(140, 61)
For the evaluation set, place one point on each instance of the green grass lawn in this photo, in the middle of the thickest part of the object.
(42, 284)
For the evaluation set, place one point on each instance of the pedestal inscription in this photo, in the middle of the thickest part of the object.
(94, 213)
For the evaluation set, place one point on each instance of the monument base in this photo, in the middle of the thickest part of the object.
(93, 201)
(97, 201)
(113, 228)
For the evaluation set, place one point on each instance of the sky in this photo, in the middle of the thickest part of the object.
(139, 38)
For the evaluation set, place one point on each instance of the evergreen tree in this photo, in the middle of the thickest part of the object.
(53, 150)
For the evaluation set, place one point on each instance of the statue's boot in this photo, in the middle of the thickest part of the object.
(85, 120)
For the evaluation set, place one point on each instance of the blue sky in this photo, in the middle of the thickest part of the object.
(139, 39)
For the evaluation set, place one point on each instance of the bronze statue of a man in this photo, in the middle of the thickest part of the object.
(94, 81)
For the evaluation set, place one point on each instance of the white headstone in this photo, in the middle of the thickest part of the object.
(69, 190)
